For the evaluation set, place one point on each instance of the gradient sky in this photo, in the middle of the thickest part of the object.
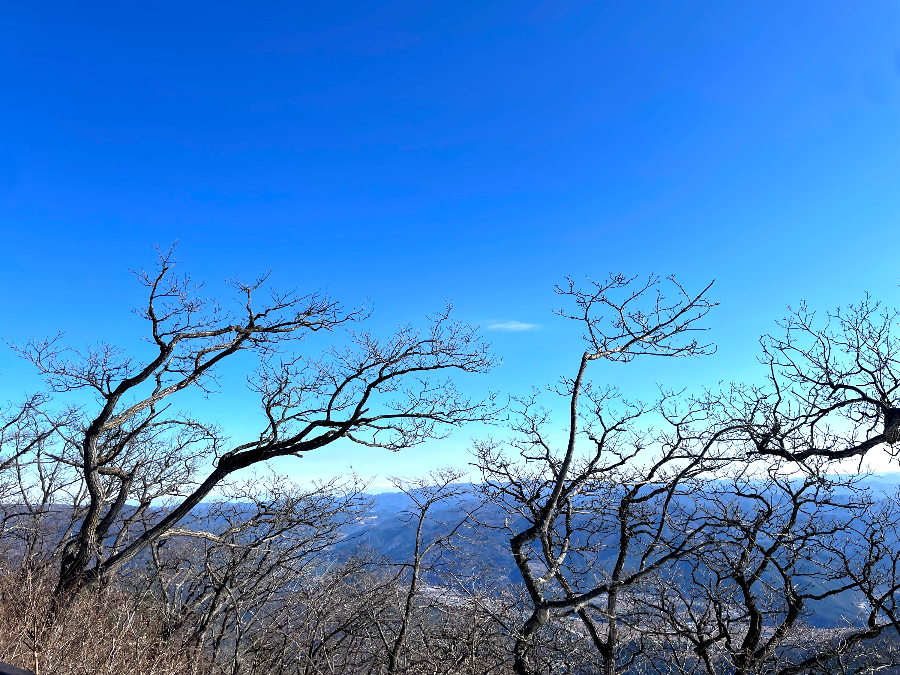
(414, 152)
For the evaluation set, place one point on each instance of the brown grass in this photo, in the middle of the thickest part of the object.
(106, 632)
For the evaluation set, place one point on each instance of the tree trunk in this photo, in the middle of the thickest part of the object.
(523, 642)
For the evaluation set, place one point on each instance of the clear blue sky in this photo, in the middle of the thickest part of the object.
(412, 152)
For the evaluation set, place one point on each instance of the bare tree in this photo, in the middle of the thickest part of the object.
(127, 443)
(432, 540)
(867, 554)
(233, 568)
(685, 536)
(573, 506)
(38, 498)
(742, 603)
(834, 386)
(783, 546)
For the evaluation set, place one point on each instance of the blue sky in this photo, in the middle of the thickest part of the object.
(413, 152)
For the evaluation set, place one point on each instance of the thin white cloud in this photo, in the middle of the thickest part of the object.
(513, 326)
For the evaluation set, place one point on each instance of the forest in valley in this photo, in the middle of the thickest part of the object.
(715, 532)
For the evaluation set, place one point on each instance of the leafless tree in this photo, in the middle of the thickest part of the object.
(125, 442)
(264, 599)
(233, 568)
(431, 541)
(38, 498)
(742, 603)
(830, 395)
(867, 554)
(690, 535)
(590, 525)
(833, 386)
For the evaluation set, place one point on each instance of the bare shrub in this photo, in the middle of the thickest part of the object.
(109, 632)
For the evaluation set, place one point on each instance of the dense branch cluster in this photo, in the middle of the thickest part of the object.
(716, 534)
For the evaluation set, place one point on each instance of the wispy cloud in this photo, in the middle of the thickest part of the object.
(513, 326)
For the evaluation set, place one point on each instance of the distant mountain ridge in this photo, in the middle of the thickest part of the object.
(385, 530)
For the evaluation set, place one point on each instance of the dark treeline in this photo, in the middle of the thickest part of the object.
(715, 533)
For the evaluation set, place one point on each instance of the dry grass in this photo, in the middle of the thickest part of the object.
(99, 633)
